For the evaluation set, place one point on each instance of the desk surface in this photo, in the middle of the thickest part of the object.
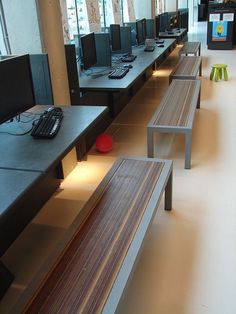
(140, 64)
(27, 153)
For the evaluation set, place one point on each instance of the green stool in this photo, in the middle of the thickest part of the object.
(217, 70)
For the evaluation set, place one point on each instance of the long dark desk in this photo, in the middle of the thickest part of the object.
(180, 35)
(116, 93)
(31, 170)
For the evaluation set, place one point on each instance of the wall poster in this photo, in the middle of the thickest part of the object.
(219, 31)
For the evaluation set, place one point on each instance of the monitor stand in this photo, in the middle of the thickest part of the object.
(159, 41)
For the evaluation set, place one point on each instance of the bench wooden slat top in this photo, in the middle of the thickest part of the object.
(175, 107)
(190, 47)
(188, 66)
(82, 279)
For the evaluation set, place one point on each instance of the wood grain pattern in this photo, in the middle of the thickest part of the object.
(187, 66)
(82, 278)
(174, 108)
(190, 47)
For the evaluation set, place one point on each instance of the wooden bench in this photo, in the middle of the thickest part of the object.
(187, 68)
(92, 271)
(191, 47)
(175, 114)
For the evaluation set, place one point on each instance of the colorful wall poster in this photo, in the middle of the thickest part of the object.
(219, 31)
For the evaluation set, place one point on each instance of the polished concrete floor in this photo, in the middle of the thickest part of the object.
(188, 262)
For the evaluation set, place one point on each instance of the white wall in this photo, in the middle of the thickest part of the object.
(191, 12)
(142, 9)
(171, 5)
(182, 4)
(22, 26)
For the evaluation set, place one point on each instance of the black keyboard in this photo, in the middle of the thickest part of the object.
(118, 73)
(128, 58)
(149, 48)
(48, 124)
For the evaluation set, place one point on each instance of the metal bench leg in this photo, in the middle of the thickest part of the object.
(168, 193)
(150, 143)
(188, 147)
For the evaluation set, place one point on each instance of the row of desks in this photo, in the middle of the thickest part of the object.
(117, 93)
(143, 61)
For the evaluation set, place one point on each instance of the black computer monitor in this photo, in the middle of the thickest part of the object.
(16, 87)
(141, 31)
(157, 23)
(88, 48)
(144, 25)
(115, 37)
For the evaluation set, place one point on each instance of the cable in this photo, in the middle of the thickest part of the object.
(29, 114)
(17, 134)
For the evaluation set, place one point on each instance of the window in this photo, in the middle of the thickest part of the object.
(125, 11)
(82, 17)
(160, 6)
(4, 42)
(128, 13)
(77, 18)
(106, 12)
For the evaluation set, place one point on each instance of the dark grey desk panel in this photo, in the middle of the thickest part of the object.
(23, 193)
(26, 153)
(176, 34)
(140, 64)
(13, 184)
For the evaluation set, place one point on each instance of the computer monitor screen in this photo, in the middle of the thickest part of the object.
(144, 25)
(141, 31)
(88, 48)
(115, 37)
(157, 23)
(16, 87)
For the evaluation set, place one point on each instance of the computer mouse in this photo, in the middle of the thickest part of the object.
(129, 66)
(161, 46)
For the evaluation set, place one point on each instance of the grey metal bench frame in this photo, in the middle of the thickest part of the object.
(141, 198)
(175, 114)
(191, 47)
(187, 68)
